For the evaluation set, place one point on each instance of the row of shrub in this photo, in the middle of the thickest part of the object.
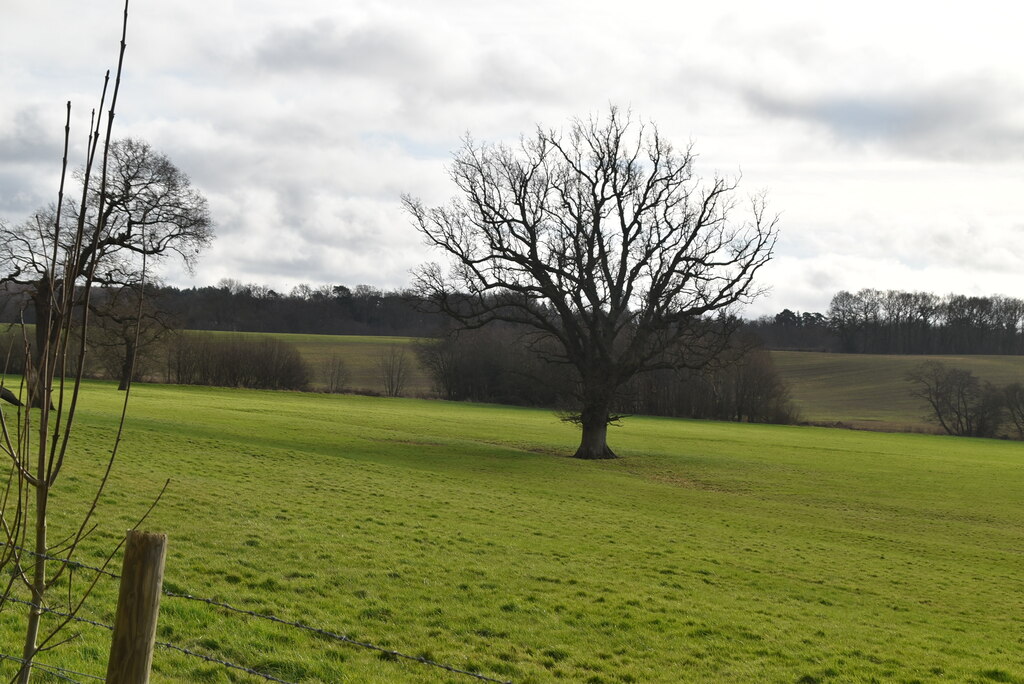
(189, 359)
(745, 387)
(501, 364)
(497, 364)
(230, 361)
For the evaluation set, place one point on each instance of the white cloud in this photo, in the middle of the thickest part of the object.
(890, 138)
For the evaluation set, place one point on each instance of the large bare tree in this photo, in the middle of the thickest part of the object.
(601, 238)
(148, 210)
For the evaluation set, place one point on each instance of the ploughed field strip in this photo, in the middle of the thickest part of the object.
(871, 390)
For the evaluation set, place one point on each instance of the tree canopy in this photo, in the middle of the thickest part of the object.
(149, 209)
(143, 210)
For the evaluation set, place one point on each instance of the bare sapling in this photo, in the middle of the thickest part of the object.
(36, 436)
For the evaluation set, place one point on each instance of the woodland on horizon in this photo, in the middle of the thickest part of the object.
(868, 321)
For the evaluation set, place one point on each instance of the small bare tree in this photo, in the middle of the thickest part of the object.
(393, 367)
(38, 444)
(1013, 396)
(336, 374)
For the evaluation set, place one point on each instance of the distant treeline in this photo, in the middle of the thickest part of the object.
(896, 322)
(246, 307)
(865, 322)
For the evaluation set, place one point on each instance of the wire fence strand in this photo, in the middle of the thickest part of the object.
(162, 644)
(73, 564)
(211, 659)
(58, 613)
(337, 637)
(59, 672)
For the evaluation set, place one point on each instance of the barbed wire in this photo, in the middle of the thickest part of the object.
(337, 637)
(58, 672)
(220, 604)
(66, 561)
(52, 611)
(211, 659)
(162, 644)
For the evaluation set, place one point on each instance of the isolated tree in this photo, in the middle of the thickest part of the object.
(602, 239)
(146, 211)
(958, 400)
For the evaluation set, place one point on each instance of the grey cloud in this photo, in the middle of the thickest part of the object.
(18, 197)
(30, 154)
(28, 141)
(972, 247)
(304, 268)
(962, 120)
(324, 46)
(505, 76)
(417, 67)
(315, 254)
(821, 280)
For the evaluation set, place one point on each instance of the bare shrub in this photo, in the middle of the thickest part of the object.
(336, 374)
(958, 401)
(500, 363)
(393, 366)
(742, 386)
(1013, 396)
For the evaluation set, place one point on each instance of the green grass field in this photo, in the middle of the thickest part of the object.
(710, 552)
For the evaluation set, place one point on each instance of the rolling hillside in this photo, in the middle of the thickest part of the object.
(870, 391)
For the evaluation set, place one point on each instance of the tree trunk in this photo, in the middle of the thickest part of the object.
(35, 611)
(128, 365)
(594, 441)
(39, 377)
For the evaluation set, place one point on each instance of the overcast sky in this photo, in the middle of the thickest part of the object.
(889, 135)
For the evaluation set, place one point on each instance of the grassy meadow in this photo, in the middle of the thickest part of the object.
(710, 552)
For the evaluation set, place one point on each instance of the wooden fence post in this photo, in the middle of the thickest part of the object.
(138, 604)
